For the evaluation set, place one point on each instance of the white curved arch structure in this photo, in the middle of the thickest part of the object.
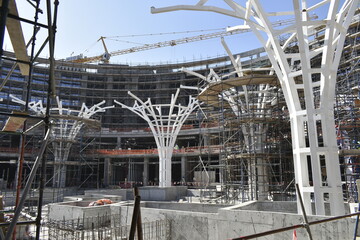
(316, 163)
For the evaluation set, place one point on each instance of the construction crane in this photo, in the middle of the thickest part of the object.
(106, 56)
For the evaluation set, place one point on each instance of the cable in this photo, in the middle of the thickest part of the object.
(126, 41)
(167, 33)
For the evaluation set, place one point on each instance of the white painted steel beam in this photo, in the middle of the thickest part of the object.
(320, 181)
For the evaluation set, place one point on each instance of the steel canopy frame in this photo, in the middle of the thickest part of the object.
(164, 126)
(66, 125)
(312, 119)
(253, 133)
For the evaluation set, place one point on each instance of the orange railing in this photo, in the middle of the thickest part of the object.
(147, 129)
(15, 150)
(206, 149)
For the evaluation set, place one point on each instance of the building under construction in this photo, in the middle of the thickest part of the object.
(234, 148)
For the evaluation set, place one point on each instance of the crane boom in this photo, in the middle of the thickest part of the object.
(178, 41)
(162, 44)
(105, 57)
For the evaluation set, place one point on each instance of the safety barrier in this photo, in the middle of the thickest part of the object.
(206, 149)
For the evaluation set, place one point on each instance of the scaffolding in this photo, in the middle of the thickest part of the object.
(20, 122)
(252, 158)
(347, 110)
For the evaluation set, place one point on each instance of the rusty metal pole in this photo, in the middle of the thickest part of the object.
(134, 218)
(306, 224)
(262, 234)
(51, 32)
(27, 186)
(23, 136)
(2, 219)
(138, 222)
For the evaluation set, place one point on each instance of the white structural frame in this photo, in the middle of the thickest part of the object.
(165, 127)
(312, 119)
(66, 125)
(254, 133)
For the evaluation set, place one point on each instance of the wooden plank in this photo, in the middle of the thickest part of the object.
(211, 93)
(17, 38)
(13, 124)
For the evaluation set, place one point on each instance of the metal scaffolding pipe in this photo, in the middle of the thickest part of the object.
(27, 186)
(302, 225)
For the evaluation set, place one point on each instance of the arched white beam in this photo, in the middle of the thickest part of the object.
(308, 119)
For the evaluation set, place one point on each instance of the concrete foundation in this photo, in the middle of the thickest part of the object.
(197, 220)
(212, 222)
(79, 211)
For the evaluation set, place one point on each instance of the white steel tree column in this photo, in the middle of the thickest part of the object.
(165, 122)
(312, 117)
(246, 102)
(66, 125)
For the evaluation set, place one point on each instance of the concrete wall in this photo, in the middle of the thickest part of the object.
(173, 193)
(188, 207)
(155, 193)
(102, 192)
(233, 222)
(280, 206)
(283, 206)
(80, 212)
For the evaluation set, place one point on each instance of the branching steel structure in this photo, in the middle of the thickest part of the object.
(309, 118)
(165, 122)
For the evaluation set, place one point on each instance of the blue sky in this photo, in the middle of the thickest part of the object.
(82, 22)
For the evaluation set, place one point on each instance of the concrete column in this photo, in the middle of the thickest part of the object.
(206, 140)
(183, 168)
(263, 182)
(118, 143)
(146, 171)
(130, 170)
(107, 172)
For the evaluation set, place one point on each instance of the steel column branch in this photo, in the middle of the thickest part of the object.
(310, 119)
